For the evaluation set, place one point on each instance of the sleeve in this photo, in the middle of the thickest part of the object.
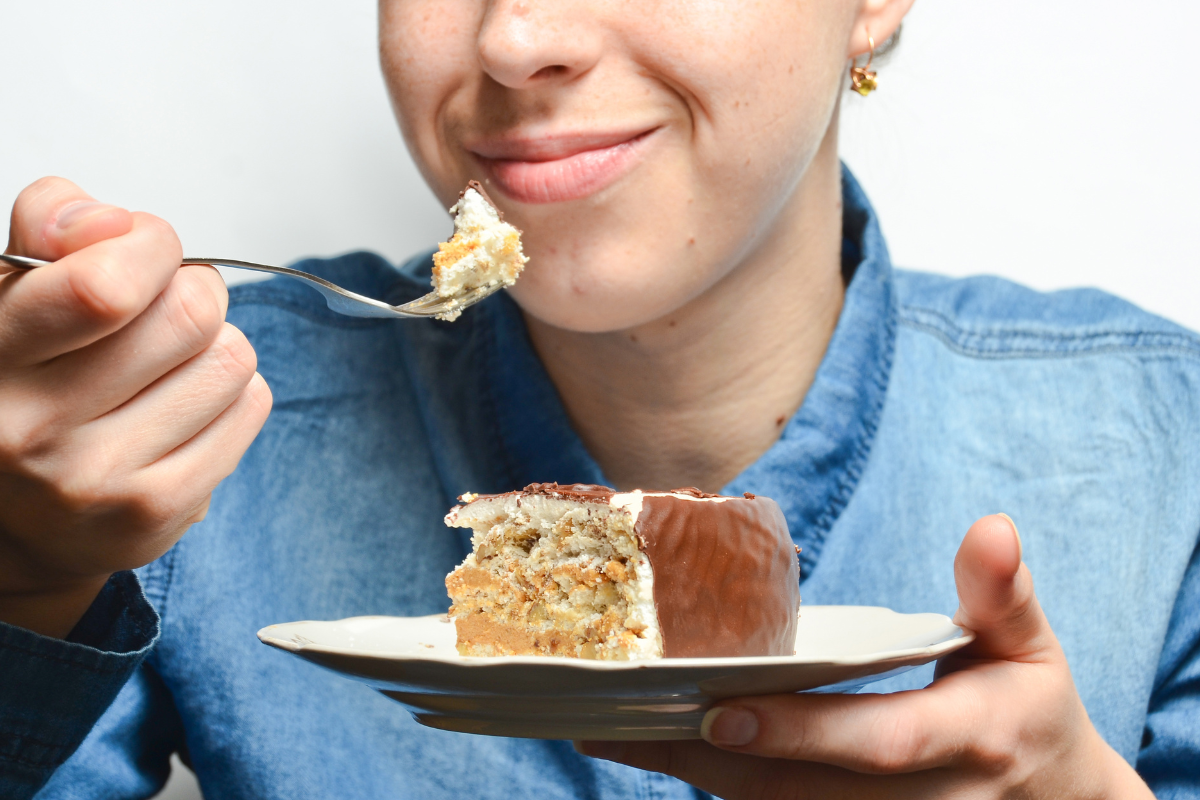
(53, 691)
(1169, 760)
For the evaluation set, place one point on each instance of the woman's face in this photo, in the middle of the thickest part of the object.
(645, 147)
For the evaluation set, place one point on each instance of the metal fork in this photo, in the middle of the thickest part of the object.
(338, 299)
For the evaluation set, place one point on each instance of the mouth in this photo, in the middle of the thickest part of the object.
(555, 169)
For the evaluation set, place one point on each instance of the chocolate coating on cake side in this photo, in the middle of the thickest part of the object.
(726, 576)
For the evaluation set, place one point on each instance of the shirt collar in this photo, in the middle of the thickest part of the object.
(811, 471)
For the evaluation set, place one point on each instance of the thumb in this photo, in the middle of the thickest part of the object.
(996, 597)
(53, 218)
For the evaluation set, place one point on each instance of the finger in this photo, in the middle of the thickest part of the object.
(996, 596)
(876, 734)
(86, 295)
(178, 406)
(211, 455)
(203, 462)
(735, 776)
(53, 217)
(181, 322)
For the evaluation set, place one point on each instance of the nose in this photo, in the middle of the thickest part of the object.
(528, 42)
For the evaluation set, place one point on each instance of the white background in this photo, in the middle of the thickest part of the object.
(1052, 143)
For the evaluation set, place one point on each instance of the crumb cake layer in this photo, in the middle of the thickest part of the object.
(484, 250)
(583, 571)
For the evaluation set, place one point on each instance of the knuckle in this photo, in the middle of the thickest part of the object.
(161, 233)
(201, 511)
(993, 748)
(798, 745)
(146, 505)
(897, 744)
(260, 395)
(102, 291)
(210, 277)
(157, 510)
(995, 752)
(194, 312)
(88, 484)
(26, 433)
(234, 354)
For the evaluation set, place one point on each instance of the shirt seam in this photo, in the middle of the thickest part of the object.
(168, 579)
(74, 661)
(1000, 344)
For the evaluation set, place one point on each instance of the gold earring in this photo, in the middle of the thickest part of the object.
(862, 79)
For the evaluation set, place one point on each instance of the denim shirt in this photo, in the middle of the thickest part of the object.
(938, 401)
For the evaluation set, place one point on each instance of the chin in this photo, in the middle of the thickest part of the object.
(586, 312)
(593, 300)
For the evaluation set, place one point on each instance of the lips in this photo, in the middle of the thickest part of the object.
(555, 169)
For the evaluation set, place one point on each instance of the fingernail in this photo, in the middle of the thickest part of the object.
(1017, 533)
(610, 751)
(71, 214)
(729, 727)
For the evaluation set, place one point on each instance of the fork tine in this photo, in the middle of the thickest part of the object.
(432, 303)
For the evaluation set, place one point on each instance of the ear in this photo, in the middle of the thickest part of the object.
(879, 19)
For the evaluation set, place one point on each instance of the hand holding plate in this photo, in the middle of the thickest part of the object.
(1002, 718)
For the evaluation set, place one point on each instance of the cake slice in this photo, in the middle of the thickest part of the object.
(586, 572)
(484, 250)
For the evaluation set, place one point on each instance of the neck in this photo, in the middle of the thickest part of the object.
(694, 398)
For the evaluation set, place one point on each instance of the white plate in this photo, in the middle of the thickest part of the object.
(413, 660)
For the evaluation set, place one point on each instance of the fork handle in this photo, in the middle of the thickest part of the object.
(11, 263)
(338, 299)
(18, 263)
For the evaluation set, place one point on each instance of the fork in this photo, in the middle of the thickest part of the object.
(339, 300)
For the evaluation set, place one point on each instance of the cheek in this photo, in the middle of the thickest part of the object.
(427, 51)
(761, 81)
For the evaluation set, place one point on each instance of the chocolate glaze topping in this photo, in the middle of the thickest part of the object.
(477, 186)
(726, 576)
(585, 492)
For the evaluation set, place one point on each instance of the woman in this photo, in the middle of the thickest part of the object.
(709, 302)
